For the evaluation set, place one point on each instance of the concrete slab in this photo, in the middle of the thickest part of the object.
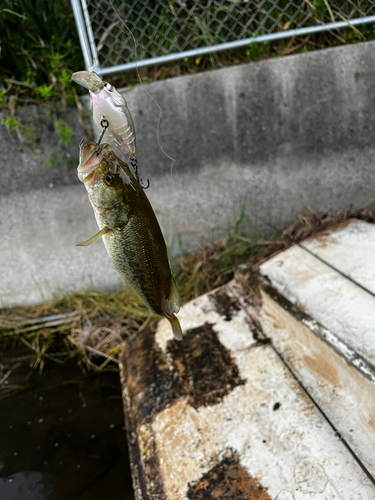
(349, 248)
(39, 259)
(322, 325)
(220, 415)
(342, 392)
(329, 298)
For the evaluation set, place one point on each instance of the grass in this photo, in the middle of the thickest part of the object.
(38, 51)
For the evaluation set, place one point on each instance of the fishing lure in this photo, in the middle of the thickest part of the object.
(108, 104)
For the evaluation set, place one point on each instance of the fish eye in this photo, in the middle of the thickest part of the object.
(108, 178)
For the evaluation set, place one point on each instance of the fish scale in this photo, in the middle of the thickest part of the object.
(139, 259)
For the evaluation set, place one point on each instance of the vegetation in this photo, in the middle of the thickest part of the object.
(39, 50)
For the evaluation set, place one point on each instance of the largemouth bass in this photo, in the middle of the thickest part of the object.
(130, 230)
(108, 103)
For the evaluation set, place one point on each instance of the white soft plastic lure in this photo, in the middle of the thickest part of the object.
(107, 103)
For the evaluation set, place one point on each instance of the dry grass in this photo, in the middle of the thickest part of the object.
(80, 326)
(307, 223)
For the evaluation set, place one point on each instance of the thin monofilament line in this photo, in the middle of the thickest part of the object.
(140, 81)
(316, 256)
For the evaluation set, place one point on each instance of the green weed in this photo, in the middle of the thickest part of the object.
(11, 122)
(63, 131)
(61, 160)
(54, 161)
(44, 92)
(257, 50)
(30, 136)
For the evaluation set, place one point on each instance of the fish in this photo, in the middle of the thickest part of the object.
(129, 229)
(107, 103)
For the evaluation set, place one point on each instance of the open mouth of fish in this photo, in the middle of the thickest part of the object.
(91, 156)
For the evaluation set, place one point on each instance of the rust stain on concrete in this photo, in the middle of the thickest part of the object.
(323, 368)
(371, 422)
(228, 479)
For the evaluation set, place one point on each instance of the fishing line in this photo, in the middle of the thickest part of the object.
(186, 202)
(316, 256)
(141, 82)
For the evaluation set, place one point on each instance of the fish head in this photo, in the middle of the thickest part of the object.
(100, 171)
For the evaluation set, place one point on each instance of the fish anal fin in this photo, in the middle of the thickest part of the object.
(173, 300)
(95, 238)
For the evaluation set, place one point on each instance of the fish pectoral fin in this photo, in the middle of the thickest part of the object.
(173, 300)
(95, 238)
(176, 327)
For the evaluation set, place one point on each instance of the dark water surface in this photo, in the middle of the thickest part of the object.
(63, 437)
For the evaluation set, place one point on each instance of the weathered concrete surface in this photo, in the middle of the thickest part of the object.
(323, 326)
(281, 133)
(338, 304)
(238, 426)
(342, 392)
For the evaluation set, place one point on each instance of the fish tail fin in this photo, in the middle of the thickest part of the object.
(173, 300)
(176, 327)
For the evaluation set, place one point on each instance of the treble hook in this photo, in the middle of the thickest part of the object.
(104, 123)
(134, 164)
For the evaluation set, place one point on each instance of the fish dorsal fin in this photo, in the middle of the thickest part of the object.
(176, 327)
(173, 300)
(95, 238)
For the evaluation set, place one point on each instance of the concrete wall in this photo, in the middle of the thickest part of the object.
(279, 133)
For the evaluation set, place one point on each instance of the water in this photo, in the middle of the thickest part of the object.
(63, 437)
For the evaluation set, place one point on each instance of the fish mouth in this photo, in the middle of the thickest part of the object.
(91, 156)
(89, 80)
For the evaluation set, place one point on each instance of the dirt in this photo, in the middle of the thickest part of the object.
(228, 480)
(225, 305)
(204, 366)
(323, 369)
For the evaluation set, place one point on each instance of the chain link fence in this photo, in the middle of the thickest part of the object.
(118, 35)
